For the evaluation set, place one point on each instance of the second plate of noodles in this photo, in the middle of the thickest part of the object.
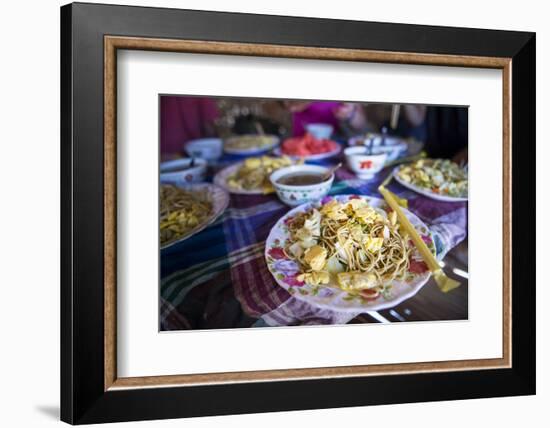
(347, 253)
(187, 209)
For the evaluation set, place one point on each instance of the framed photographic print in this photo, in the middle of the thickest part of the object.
(266, 213)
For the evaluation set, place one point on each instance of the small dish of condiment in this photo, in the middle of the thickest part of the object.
(299, 184)
(301, 179)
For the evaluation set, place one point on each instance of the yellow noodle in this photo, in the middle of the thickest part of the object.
(181, 211)
(389, 263)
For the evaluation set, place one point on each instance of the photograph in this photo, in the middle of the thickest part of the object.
(292, 212)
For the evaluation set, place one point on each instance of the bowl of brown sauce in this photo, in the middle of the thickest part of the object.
(298, 184)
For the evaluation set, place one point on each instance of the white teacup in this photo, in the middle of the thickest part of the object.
(364, 165)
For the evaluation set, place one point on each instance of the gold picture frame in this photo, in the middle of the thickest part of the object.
(114, 43)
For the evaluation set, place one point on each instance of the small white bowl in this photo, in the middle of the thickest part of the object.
(320, 131)
(364, 165)
(210, 149)
(178, 171)
(296, 195)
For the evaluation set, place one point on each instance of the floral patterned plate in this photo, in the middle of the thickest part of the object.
(285, 270)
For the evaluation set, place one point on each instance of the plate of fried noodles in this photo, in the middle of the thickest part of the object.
(347, 253)
(187, 209)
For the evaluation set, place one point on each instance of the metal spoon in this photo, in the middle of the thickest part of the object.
(330, 172)
(370, 145)
(384, 134)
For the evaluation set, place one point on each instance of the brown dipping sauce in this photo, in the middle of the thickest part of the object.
(301, 179)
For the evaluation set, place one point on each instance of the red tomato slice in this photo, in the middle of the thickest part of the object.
(369, 294)
(307, 145)
(416, 266)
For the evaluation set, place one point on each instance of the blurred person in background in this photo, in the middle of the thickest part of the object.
(447, 133)
(361, 118)
(308, 112)
(349, 119)
(285, 118)
(443, 130)
(183, 119)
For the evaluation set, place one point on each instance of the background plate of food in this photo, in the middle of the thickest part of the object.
(439, 179)
(251, 176)
(187, 209)
(347, 253)
(246, 145)
(308, 148)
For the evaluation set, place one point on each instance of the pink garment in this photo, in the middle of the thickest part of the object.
(315, 112)
(183, 119)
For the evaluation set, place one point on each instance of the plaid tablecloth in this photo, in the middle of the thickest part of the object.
(219, 278)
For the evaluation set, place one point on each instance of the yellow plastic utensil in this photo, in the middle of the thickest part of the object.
(445, 283)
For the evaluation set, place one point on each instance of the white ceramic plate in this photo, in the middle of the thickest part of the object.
(219, 199)
(330, 296)
(320, 156)
(426, 192)
(251, 150)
